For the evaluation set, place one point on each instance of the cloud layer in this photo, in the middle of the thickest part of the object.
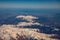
(28, 17)
(22, 24)
(18, 32)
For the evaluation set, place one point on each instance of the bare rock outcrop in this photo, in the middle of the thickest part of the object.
(9, 32)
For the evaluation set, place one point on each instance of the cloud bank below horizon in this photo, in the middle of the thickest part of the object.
(18, 32)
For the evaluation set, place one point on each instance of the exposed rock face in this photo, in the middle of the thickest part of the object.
(9, 32)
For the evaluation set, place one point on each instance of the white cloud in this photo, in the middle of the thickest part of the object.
(55, 29)
(28, 17)
(22, 24)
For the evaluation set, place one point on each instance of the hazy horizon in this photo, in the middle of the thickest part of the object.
(51, 4)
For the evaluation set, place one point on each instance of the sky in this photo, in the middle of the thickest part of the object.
(54, 4)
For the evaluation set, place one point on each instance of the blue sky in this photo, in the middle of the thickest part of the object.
(55, 4)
